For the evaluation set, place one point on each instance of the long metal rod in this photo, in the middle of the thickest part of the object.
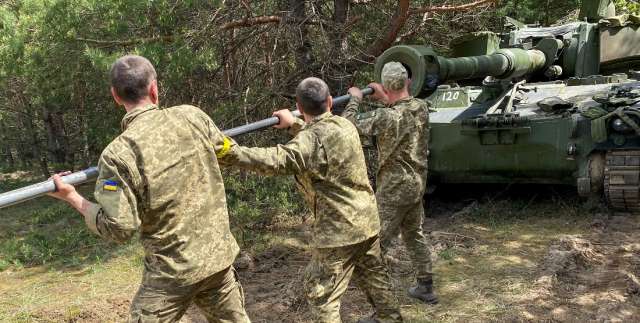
(39, 189)
(274, 120)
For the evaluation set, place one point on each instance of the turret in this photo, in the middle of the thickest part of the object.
(577, 52)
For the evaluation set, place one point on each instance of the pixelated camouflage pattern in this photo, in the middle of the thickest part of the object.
(406, 219)
(220, 298)
(402, 137)
(169, 188)
(328, 274)
(394, 76)
(328, 163)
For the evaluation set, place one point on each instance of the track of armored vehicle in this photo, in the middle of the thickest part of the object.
(556, 105)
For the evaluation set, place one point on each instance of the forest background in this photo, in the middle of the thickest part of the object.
(238, 60)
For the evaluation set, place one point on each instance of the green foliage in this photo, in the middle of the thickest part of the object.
(52, 234)
(254, 201)
(447, 254)
(627, 6)
(545, 12)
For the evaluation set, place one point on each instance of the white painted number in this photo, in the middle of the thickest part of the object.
(450, 96)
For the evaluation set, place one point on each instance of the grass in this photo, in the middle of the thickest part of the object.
(491, 278)
(51, 265)
(53, 269)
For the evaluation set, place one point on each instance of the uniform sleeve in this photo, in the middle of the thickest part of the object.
(116, 216)
(296, 127)
(221, 143)
(290, 159)
(369, 123)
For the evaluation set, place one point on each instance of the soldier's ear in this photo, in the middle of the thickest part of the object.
(153, 91)
(299, 107)
(329, 103)
(116, 97)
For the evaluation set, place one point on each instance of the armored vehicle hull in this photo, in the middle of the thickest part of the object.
(556, 105)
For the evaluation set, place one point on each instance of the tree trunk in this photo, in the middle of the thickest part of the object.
(396, 23)
(34, 142)
(547, 13)
(340, 12)
(298, 29)
(57, 145)
(339, 79)
(6, 147)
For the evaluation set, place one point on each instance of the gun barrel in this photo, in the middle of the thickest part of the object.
(36, 190)
(504, 63)
(428, 69)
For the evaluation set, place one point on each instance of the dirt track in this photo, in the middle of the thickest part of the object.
(518, 257)
(589, 276)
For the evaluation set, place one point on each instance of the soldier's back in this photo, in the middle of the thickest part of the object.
(181, 198)
(346, 211)
(403, 168)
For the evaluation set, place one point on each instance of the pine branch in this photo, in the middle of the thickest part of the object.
(454, 8)
(252, 21)
(126, 42)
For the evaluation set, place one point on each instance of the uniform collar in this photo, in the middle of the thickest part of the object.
(320, 117)
(133, 114)
(403, 100)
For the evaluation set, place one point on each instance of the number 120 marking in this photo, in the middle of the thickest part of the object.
(450, 96)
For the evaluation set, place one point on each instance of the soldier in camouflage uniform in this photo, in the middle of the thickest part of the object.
(402, 134)
(161, 178)
(328, 163)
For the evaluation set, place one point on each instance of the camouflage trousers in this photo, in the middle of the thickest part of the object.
(219, 297)
(328, 274)
(406, 219)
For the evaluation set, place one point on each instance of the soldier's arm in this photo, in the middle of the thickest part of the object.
(116, 216)
(351, 109)
(369, 123)
(289, 159)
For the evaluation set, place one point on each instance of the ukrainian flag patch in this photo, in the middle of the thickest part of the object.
(110, 186)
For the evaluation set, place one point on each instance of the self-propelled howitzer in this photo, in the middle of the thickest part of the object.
(556, 105)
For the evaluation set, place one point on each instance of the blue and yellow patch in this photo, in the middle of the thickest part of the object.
(226, 146)
(110, 186)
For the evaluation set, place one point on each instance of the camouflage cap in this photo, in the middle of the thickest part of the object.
(394, 76)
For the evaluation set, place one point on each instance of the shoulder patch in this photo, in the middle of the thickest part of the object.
(110, 186)
(226, 146)
(366, 115)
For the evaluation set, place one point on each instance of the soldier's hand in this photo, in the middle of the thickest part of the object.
(68, 193)
(355, 92)
(63, 191)
(286, 119)
(378, 92)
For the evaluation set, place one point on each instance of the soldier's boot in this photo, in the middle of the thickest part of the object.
(424, 291)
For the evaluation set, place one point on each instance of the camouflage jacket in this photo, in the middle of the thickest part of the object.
(328, 163)
(160, 177)
(402, 137)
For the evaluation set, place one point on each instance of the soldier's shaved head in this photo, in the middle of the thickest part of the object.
(131, 76)
(313, 95)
